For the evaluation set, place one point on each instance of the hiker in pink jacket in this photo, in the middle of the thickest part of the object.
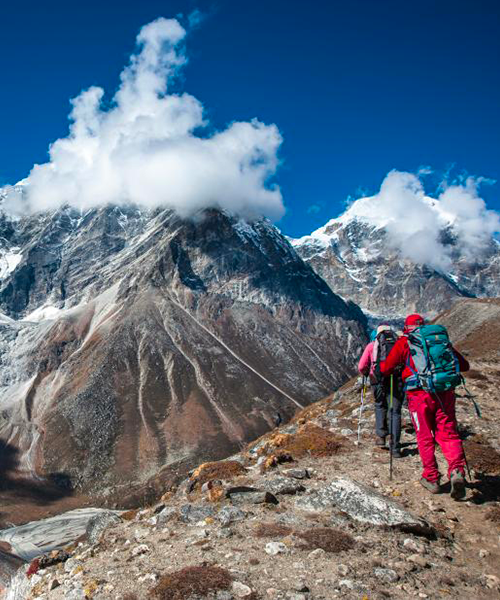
(381, 388)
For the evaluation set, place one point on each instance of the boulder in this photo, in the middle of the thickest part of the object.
(364, 504)
(98, 524)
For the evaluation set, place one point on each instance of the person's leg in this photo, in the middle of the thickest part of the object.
(447, 432)
(422, 411)
(380, 409)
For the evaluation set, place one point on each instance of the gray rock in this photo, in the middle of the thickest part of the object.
(297, 473)
(230, 514)
(254, 498)
(224, 595)
(283, 485)
(167, 514)
(71, 564)
(363, 504)
(98, 524)
(274, 548)
(191, 513)
(387, 575)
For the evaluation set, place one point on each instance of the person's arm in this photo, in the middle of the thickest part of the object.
(365, 361)
(463, 363)
(396, 357)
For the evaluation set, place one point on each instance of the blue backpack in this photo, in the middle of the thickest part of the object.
(436, 366)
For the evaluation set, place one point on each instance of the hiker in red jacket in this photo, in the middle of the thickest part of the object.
(433, 416)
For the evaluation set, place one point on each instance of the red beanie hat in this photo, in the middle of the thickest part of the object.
(413, 321)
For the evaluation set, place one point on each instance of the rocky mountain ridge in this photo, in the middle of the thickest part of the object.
(355, 256)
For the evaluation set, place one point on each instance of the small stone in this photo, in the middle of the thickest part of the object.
(274, 548)
(346, 432)
(387, 575)
(348, 583)
(414, 546)
(316, 553)
(230, 514)
(141, 549)
(223, 595)
(295, 596)
(53, 584)
(342, 570)
(272, 592)
(240, 590)
(483, 553)
(297, 473)
(140, 534)
(492, 581)
(148, 577)
(166, 514)
(71, 564)
(300, 586)
(418, 560)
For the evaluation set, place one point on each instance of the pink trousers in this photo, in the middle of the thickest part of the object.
(433, 417)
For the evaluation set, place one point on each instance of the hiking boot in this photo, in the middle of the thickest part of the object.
(432, 486)
(457, 481)
(396, 453)
(380, 442)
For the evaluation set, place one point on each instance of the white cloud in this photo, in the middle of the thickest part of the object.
(415, 221)
(152, 146)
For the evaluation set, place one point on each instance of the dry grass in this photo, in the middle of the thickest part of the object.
(272, 530)
(482, 457)
(327, 538)
(191, 581)
(493, 514)
(130, 596)
(309, 440)
(223, 470)
(129, 515)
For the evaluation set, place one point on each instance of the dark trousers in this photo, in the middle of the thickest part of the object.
(382, 395)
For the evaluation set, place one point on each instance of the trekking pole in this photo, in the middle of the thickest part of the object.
(391, 442)
(470, 397)
(363, 394)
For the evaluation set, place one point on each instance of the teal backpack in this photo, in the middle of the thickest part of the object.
(436, 366)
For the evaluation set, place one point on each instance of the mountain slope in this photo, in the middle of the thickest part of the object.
(355, 255)
(167, 340)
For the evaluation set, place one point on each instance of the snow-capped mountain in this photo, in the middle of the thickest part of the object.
(356, 256)
(133, 343)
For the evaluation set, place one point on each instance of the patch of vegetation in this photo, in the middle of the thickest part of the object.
(223, 470)
(191, 581)
(482, 457)
(272, 530)
(326, 538)
(309, 440)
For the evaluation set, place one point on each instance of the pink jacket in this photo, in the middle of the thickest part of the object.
(366, 362)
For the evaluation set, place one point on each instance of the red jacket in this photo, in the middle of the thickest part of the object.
(399, 356)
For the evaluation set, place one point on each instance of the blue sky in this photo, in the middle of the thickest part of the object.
(356, 88)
